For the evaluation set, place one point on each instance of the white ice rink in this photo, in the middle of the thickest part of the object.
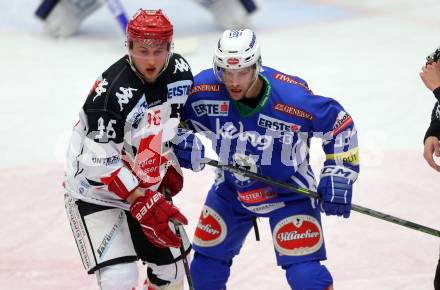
(365, 53)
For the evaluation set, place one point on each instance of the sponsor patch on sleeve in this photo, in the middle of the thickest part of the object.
(293, 111)
(350, 156)
(343, 120)
(290, 80)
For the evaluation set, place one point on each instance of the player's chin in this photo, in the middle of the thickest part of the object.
(236, 96)
(150, 77)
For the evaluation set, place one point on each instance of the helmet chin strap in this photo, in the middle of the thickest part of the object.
(254, 82)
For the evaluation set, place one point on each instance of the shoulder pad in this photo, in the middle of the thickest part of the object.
(114, 89)
(279, 78)
(178, 65)
(292, 80)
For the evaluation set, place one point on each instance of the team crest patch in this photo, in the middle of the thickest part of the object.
(245, 162)
(211, 229)
(297, 235)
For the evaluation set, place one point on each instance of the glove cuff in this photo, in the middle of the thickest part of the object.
(122, 182)
(339, 171)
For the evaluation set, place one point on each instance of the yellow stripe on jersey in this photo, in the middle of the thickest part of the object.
(350, 156)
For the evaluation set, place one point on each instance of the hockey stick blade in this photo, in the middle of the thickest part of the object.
(309, 193)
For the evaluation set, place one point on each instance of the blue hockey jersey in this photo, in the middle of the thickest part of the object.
(272, 139)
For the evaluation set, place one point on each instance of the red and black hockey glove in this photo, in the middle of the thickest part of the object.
(154, 213)
(172, 181)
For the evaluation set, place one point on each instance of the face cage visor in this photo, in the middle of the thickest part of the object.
(218, 70)
(152, 44)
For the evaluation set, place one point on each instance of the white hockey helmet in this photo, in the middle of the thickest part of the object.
(237, 49)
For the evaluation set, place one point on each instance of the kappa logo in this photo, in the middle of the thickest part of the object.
(211, 229)
(211, 108)
(277, 125)
(99, 88)
(124, 95)
(298, 235)
(181, 65)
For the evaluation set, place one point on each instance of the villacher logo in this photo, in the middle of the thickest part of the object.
(298, 235)
(211, 229)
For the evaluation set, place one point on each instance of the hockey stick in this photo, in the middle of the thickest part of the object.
(306, 192)
(118, 12)
(181, 248)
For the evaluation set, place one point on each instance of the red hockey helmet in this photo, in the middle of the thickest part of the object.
(151, 26)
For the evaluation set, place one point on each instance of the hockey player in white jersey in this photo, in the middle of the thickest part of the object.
(120, 161)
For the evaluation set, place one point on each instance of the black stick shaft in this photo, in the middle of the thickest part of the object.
(184, 259)
(182, 247)
(309, 193)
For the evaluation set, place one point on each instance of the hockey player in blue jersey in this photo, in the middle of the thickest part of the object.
(262, 120)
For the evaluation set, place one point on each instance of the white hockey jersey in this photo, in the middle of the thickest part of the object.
(126, 122)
